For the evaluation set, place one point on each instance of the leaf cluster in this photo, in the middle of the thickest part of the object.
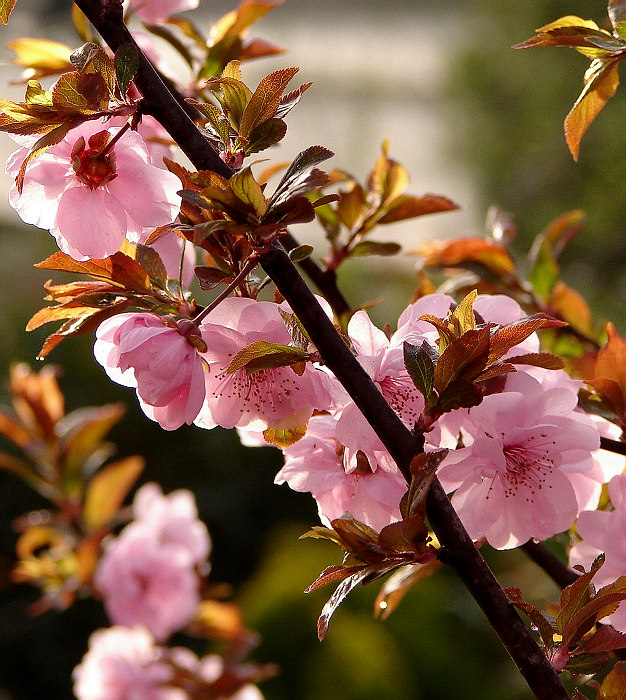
(605, 49)
(247, 122)
(487, 264)
(63, 457)
(404, 546)
(360, 208)
(119, 281)
(233, 220)
(570, 637)
(207, 56)
(469, 353)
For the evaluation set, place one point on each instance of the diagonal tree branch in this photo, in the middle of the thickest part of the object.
(458, 549)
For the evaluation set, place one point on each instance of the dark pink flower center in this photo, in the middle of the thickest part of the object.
(527, 466)
(94, 162)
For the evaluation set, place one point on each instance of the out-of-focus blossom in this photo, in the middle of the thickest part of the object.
(602, 531)
(157, 11)
(317, 464)
(179, 262)
(158, 360)
(123, 664)
(148, 574)
(92, 195)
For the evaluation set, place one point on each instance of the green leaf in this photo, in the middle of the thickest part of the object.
(300, 253)
(6, 7)
(107, 490)
(420, 364)
(364, 248)
(265, 355)
(248, 190)
(126, 65)
(265, 135)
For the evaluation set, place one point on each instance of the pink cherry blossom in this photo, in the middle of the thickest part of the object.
(147, 574)
(512, 481)
(91, 198)
(276, 398)
(382, 358)
(123, 664)
(602, 531)
(158, 11)
(139, 350)
(173, 519)
(317, 464)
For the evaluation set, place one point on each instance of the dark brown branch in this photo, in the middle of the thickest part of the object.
(613, 446)
(459, 550)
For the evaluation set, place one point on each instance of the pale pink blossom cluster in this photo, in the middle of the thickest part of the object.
(527, 463)
(182, 372)
(149, 574)
(149, 578)
(602, 532)
(125, 663)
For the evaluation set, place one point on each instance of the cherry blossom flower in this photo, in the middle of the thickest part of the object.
(276, 398)
(602, 531)
(382, 358)
(317, 464)
(93, 189)
(161, 362)
(123, 663)
(512, 480)
(147, 574)
(174, 521)
(158, 11)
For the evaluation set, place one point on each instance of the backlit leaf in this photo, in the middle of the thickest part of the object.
(601, 81)
(406, 206)
(249, 191)
(284, 437)
(6, 7)
(613, 687)
(461, 251)
(107, 490)
(42, 57)
(363, 248)
(265, 100)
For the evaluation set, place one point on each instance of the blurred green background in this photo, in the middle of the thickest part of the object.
(470, 118)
